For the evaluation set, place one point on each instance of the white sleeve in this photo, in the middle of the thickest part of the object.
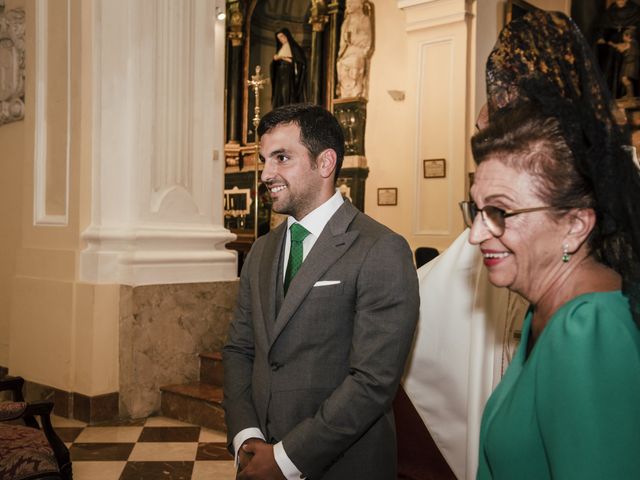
(242, 436)
(289, 470)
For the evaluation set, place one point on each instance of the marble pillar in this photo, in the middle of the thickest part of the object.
(163, 329)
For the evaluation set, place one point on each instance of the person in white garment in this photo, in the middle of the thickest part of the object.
(467, 332)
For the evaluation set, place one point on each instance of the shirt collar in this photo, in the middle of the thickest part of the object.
(317, 219)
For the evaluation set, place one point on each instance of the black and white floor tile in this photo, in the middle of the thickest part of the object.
(156, 448)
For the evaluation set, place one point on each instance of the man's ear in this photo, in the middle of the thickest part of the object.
(582, 223)
(327, 162)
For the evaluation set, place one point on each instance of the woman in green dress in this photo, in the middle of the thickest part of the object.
(556, 215)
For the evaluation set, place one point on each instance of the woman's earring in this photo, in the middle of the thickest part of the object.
(565, 253)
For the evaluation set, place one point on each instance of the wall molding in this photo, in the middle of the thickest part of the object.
(41, 141)
(150, 256)
(90, 409)
(421, 119)
(425, 14)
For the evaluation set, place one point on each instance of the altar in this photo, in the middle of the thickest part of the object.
(326, 49)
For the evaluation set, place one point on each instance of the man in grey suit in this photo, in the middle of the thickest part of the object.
(314, 356)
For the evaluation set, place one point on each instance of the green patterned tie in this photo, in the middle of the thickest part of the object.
(298, 234)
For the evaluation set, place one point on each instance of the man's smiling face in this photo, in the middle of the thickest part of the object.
(290, 174)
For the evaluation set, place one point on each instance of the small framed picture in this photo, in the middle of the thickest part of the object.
(435, 168)
(387, 196)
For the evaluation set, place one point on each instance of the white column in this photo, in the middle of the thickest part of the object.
(157, 174)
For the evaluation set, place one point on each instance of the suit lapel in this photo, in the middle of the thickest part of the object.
(332, 244)
(268, 276)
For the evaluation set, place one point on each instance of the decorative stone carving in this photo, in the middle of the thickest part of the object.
(356, 47)
(12, 65)
(318, 15)
(236, 21)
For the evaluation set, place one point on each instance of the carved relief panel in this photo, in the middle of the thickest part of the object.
(12, 65)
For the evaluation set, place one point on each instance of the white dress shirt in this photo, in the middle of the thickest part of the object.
(314, 222)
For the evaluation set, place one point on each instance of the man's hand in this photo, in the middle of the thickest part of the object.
(257, 462)
(244, 456)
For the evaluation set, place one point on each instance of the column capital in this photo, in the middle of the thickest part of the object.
(318, 18)
(236, 20)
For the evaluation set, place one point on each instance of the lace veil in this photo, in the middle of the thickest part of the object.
(542, 57)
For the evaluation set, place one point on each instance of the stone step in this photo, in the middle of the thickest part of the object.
(198, 403)
(211, 368)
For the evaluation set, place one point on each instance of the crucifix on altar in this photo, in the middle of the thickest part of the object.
(256, 83)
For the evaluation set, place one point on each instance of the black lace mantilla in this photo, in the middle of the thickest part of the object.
(542, 57)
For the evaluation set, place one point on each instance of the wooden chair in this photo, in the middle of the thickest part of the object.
(28, 449)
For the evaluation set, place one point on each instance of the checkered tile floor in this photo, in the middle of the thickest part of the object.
(148, 449)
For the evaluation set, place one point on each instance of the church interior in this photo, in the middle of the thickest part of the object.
(130, 191)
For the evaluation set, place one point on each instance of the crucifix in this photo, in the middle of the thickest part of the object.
(256, 82)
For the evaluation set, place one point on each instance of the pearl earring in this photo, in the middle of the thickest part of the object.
(565, 253)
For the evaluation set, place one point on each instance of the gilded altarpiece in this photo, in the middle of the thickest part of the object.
(336, 39)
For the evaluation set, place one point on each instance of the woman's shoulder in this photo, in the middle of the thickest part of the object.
(605, 316)
(600, 302)
(592, 336)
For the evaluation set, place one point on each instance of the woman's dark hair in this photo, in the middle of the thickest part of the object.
(528, 141)
(569, 165)
(543, 59)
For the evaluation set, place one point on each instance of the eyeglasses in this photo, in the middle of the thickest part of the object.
(492, 217)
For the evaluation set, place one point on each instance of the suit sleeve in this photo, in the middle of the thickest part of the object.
(386, 313)
(588, 392)
(238, 356)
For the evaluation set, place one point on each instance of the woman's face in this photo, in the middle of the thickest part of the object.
(282, 37)
(527, 257)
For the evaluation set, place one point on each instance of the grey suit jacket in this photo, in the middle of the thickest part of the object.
(320, 373)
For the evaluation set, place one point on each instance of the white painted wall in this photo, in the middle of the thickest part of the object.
(423, 47)
(439, 63)
(125, 115)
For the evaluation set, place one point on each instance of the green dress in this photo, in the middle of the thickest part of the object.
(571, 410)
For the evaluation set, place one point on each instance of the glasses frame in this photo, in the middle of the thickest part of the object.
(497, 230)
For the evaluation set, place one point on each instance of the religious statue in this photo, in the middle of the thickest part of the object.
(628, 48)
(356, 42)
(617, 47)
(288, 71)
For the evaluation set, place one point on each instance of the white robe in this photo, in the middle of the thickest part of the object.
(464, 340)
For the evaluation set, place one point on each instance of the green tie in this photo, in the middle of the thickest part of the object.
(298, 234)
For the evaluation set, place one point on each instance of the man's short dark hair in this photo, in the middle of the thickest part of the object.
(319, 129)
